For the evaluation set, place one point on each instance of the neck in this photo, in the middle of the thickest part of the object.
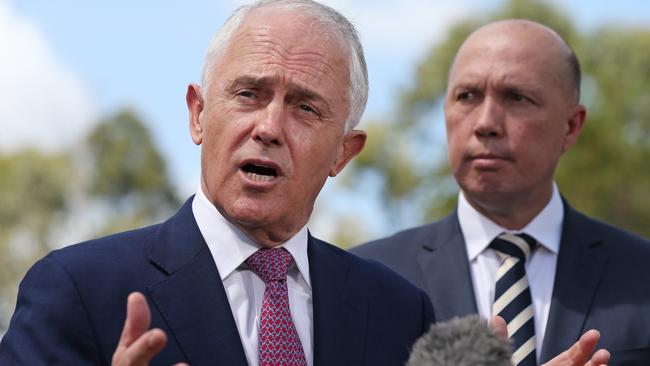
(267, 235)
(512, 213)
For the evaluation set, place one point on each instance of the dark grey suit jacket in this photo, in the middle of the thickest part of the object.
(602, 281)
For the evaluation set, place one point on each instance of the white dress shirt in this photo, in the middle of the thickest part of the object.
(546, 228)
(230, 247)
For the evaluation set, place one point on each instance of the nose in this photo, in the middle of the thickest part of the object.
(490, 118)
(269, 127)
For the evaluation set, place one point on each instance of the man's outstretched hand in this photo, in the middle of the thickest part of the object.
(580, 354)
(138, 344)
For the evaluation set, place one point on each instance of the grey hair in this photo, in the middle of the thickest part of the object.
(338, 24)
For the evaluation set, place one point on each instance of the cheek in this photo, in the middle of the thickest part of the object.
(537, 151)
(219, 143)
(225, 129)
(314, 153)
(456, 143)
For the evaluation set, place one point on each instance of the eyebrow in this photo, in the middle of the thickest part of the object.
(522, 88)
(294, 89)
(253, 81)
(501, 86)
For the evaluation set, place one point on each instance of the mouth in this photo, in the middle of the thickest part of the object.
(488, 161)
(260, 172)
(487, 156)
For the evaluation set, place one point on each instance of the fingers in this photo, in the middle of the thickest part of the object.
(580, 352)
(137, 344)
(138, 319)
(143, 349)
(499, 326)
(600, 358)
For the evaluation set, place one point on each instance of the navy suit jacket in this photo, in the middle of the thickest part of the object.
(602, 281)
(72, 304)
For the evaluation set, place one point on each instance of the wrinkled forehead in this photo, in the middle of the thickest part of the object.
(292, 38)
(293, 28)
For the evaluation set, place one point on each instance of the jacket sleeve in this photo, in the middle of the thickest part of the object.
(50, 324)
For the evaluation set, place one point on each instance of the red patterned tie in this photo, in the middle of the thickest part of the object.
(279, 344)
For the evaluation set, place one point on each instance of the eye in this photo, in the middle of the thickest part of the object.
(518, 97)
(245, 94)
(308, 109)
(465, 96)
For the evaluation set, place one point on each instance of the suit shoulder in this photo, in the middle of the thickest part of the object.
(397, 242)
(65, 297)
(625, 240)
(407, 243)
(372, 272)
(115, 248)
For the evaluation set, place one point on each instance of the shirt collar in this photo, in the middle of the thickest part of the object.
(230, 247)
(479, 231)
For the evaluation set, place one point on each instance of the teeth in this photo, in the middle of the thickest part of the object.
(259, 177)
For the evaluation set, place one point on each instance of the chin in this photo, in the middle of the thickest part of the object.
(485, 190)
(482, 182)
(250, 212)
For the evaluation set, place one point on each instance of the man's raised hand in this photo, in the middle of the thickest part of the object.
(580, 354)
(138, 344)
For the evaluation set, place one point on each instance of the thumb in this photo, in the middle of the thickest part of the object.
(499, 326)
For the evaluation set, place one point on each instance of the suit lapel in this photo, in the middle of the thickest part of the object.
(443, 258)
(192, 299)
(580, 263)
(340, 314)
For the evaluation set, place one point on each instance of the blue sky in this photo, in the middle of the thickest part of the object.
(65, 63)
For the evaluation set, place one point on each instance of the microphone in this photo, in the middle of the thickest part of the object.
(466, 341)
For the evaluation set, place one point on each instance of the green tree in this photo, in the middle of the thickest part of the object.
(606, 174)
(117, 178)
(128, 174)
(33, 196)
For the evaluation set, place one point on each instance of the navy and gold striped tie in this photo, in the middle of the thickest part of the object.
(512, 299)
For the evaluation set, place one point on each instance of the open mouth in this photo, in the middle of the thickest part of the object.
(259, 173)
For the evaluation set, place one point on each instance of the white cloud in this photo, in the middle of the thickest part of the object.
(42, 103)
(403, 27)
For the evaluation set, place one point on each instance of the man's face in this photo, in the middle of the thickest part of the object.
(271, 124)
(510, 114)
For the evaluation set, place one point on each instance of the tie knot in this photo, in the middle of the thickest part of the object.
(514, 245)
(270, 264)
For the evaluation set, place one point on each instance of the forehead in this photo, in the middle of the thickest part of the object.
(287, 44)
(510, 57)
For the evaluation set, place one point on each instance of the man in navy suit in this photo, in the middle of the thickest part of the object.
(512, 109)
(284, 85)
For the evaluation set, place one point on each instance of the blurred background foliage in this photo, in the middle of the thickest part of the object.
(117, 179)
(114, 180)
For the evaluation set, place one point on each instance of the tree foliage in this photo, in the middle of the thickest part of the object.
(127, 173)
(605, 175)
(32, 196)
(116, 180)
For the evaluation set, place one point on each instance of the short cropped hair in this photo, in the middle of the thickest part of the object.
(339, 25)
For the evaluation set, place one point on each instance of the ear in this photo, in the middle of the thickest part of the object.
(353, 143)
(574, 125)
(194, 100)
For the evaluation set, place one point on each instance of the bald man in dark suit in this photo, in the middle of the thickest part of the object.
(512, 109)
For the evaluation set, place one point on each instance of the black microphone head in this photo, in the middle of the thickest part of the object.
(464, 341)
